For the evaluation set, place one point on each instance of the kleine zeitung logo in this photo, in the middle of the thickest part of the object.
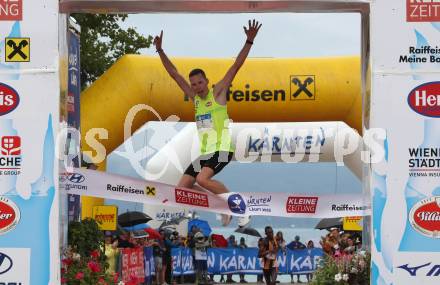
(424, 217)
(425, 99)
(9, 215)
(423, 10)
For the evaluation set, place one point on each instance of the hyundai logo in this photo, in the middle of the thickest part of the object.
(76, 178)
(5, 263)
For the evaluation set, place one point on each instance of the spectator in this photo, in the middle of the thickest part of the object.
(310, 245)
(232, 243)
(158, 253)
(243, 246)
(260, 245)
(124, 241)
(295, 245)
(170, 243)
(201, 258)
(268, 251)
(111, 251)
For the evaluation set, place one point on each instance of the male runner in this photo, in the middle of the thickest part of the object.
(211, 117)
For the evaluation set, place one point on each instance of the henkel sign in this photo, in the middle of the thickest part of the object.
(425, 99)
(11, 10)
(423, 10)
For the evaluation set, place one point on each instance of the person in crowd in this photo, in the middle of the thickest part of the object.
(260, 245)
(111, 251)
(158, 254)
(281, 242)
(232, 243)
(310, 245)
(242, 245)
(295, 245)
(201, 257)
(170, 242)
(124, 241)
(268, 252)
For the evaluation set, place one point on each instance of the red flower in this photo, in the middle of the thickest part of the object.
(63, 270)
(93, 266)
(63, 280)
(79, 276)
(102, 281)
(95, 253)
(67, 261)
(115, 277)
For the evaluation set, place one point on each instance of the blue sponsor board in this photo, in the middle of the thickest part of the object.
(236, 260)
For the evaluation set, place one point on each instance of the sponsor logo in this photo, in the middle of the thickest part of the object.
(9, 215)
(17, 49)
(421, 54)
(425, 99)
(259, 204)
(9, 98)
(105, 218)
(191, 198)
(14, 266)
(169, 216)
(429, 270)
(5, 263)
(424, 162)
(11, 10)
(422, 10)
(424, 217)
(301, 204)
(10, 155)
(124, 189)
(346, 207)
(72, 181)
(236, 204)
(302, 87)
(278, 144)
(150, 191)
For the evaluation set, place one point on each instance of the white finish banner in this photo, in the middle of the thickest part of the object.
(110, 186)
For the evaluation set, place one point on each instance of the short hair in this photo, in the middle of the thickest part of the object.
(197, 71)
(268, 228)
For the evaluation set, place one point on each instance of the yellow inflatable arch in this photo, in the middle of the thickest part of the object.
(264, 90)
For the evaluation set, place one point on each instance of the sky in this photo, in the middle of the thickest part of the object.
(282, 34)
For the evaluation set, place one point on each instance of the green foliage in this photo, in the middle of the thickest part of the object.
(103, 41)
(85, 237)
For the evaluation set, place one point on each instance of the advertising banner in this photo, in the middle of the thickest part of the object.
(29, 108)
(133, 265)
(106, 217)
(237, 260)
(110, 186)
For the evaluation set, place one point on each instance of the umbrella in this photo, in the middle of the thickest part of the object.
(329, 223)
(248, 231)
(219, 240)
(129, 219)
(202, 225)
(136, 227)
(152, 233)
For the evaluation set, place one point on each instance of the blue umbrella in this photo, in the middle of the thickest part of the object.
(136, 227)
(202, 225)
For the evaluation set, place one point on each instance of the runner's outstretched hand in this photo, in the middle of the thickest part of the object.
(251, 31)
(158, 41)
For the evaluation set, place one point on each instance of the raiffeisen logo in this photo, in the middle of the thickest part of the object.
(425, 99)
(423, 10)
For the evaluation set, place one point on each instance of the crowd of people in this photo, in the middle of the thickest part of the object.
(337, 243)
(269, 247)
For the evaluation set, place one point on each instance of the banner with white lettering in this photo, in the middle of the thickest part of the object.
(237, 260)
(110, 186)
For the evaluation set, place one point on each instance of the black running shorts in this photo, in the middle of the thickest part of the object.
(216, 161)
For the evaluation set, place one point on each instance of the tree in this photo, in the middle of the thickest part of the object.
(103, 41)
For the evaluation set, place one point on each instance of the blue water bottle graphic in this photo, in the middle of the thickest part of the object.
(32, 230)
(421, 190)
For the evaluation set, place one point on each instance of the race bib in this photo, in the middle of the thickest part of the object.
(201, 255)
(204, 122)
